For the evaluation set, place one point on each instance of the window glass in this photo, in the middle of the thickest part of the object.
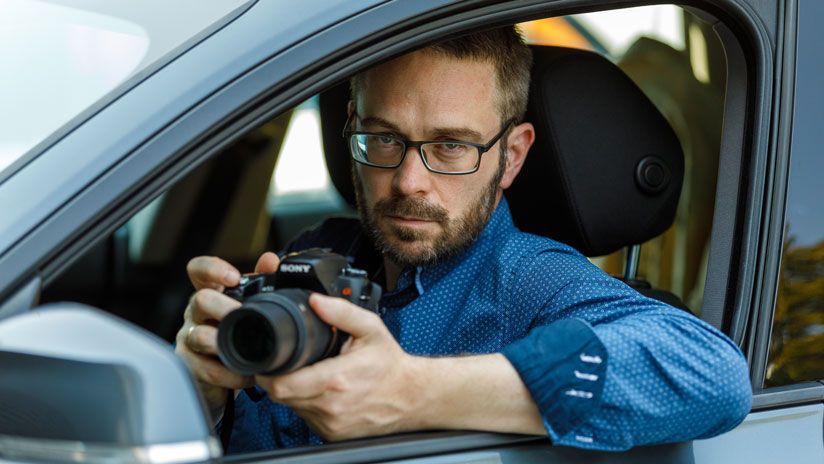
(59, 57)
(797, 340)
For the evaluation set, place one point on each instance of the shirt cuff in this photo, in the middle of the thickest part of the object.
(563, 366)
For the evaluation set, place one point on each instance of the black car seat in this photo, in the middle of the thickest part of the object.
(606, 165)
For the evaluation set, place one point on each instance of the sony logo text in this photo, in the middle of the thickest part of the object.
(295, 267)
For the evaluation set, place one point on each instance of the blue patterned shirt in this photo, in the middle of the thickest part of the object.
(607, 367)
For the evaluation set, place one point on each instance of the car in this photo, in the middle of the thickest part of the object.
(138, 135)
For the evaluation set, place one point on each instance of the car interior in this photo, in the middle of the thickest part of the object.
(646, 221)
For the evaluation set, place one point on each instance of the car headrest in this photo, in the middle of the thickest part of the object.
(333, 114)
(606, 168)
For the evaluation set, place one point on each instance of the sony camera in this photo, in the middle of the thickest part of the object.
(275, 331)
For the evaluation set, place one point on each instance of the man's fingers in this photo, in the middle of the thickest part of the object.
(268, 262)
(211, 272)
(208, 306)
(202, 339)
(193, 346)
(305, 383)
(210, 371)
(344, 315)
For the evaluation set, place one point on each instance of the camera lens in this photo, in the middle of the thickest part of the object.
(274, 333)
(253, 338)
(258, 337)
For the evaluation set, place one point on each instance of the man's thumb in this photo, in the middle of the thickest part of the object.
(344, 315)
(268, 262)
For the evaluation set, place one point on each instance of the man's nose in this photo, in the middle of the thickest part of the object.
(412, 177)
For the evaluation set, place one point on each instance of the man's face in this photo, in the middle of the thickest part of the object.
(416, 216)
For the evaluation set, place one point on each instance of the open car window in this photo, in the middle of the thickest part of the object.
(671, 54)
(257, 193)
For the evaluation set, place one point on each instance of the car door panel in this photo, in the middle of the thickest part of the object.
(792, 434)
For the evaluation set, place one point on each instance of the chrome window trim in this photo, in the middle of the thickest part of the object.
(45, 450)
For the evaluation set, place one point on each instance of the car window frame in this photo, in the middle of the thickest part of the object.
(795, 46)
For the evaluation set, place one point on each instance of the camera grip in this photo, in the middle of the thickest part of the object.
(359, 290)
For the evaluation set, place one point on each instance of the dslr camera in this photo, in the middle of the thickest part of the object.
(275, 331)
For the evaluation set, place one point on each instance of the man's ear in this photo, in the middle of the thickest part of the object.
(520, 139)
(350, 108)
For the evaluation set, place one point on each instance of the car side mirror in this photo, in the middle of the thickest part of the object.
(79, 385)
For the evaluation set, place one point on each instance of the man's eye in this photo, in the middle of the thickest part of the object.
(386, 140)
(451, 148)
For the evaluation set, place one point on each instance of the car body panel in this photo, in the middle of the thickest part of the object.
(767, 436)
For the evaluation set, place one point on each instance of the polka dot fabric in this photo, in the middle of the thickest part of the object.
(608, 368)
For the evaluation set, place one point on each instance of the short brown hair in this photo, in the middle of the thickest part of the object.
(505, 49)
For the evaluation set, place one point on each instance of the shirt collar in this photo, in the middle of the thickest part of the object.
(499, 224)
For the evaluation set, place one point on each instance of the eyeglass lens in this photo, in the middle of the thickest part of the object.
(388, 151)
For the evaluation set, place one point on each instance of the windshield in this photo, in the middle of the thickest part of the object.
(59, 57)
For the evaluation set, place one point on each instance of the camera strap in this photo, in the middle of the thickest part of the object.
(227, 422)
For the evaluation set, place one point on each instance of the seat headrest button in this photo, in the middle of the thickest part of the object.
(652, 175)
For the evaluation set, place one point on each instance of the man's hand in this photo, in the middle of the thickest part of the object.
(371, 388)
(197, 339)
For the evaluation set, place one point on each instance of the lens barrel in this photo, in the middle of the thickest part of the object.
(274, 333)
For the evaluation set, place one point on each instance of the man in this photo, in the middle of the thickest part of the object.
(482, 326)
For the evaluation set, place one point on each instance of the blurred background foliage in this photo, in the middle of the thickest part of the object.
(797, 343)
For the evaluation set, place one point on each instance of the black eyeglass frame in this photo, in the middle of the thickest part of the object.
(407, 144)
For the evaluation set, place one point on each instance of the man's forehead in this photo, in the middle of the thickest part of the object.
(427, 65)
(450, 92)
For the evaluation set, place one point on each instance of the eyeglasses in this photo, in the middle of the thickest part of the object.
(440, 156)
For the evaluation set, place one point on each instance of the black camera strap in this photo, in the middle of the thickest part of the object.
(227, 422)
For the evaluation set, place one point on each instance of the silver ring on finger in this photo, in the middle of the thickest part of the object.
(189, 339)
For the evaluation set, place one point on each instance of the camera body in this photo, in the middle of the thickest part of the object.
(275, 331)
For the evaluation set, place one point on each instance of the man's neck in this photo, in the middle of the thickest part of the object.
(391, 271)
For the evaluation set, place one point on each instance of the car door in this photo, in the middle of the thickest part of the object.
(248, 72)
(780, 331)
(784, 327)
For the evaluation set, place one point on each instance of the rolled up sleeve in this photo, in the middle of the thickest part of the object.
(610, 369)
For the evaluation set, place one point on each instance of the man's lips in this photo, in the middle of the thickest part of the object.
(407, 220)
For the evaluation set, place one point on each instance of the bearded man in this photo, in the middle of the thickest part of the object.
(481, 326)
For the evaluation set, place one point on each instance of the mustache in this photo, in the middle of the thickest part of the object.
(411, 207)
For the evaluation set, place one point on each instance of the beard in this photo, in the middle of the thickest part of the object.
(410, 247)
